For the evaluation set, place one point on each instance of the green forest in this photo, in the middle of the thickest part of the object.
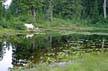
(49, 13)
(53, 35)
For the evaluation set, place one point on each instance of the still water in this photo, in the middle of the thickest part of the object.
(20, 50)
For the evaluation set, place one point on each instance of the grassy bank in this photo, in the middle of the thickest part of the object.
(87, 62)
(60, 29)
(62, 26)
(7, 32)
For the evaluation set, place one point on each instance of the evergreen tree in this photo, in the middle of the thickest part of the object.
(0, 9)
(77, 8)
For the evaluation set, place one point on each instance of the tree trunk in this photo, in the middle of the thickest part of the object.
(104, 9)
(1, 8)
(33, 11)
(50, 11)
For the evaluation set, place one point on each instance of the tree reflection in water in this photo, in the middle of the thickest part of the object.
(3, 47)
(42, 48)
(5, 56)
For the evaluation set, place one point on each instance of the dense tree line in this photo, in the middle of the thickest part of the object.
(65, 9)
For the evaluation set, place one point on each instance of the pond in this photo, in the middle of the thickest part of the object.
(20, 50)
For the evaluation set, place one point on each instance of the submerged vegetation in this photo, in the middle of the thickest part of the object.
(86, 62)
(65, 52)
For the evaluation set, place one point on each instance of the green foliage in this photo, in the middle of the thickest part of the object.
(47, 13)
(4, 23)
(88, 62)
(19, 25)
(102, 20)
(56, 8)
(0, 9)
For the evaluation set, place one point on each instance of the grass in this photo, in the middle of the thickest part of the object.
(7, 32)
(70, 26)
(88, 62)
(56, 26)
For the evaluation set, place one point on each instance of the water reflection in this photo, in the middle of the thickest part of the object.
(29, 35)
(45, 48)
(6, 56)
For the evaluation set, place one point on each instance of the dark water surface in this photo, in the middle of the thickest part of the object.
(19, 50)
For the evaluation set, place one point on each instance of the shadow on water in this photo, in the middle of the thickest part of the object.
(19, 50)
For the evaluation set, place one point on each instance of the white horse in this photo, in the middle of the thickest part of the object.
(29, 26)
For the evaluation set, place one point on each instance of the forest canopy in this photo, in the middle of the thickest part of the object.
(93, 11)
